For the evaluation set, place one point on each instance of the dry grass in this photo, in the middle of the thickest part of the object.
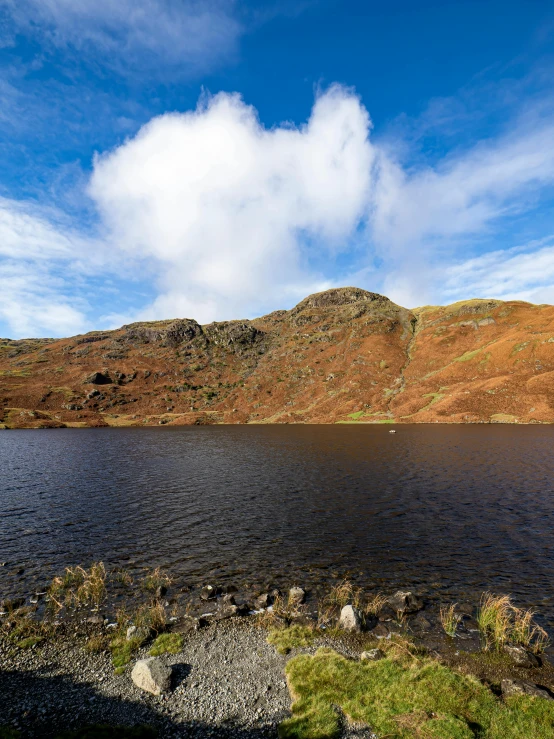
(449, 619)
(501, 622)
(375, 603)
(493, 619)
(23, 630)
(150, 615)
(284, 609)
(344, 594)
(526, 632)
(96, 644)
(79, 587)
(155, 579)
(122, 577)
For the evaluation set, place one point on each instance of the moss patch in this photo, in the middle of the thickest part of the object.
(403, 698)
(293, 637)
(167, 644)
(123, 650)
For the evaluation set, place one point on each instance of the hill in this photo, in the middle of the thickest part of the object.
(344, 355)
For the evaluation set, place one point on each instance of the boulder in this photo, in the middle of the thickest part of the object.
(227, 611)
(297, 596)
(187, 624)
(521, 656)
(141, 633)
(520, 687)
(380, 631)
(152, 675)
(161, 590)
(350, 619)
(99, 378)
(420, 623)
(263, 601)
(405, 602)
(372, 655)
(96, 620)
(229, 599)
(208, 592)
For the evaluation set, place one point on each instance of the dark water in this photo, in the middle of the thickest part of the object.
(452, 510)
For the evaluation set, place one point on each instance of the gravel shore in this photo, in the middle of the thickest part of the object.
(227, 682)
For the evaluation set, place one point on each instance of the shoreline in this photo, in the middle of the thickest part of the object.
(227, 680)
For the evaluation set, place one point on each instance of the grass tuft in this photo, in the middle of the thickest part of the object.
(375, 603)
(155, 579)
(123, 650)
(78, 587)
(344, 594)
(167, 644)
(501, 622)
(449, 619)
(96, 644)
(29, 642)
(493, 620)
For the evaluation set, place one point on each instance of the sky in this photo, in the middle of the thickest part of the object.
(220, 159)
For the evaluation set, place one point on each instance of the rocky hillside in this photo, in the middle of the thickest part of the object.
(344, 355)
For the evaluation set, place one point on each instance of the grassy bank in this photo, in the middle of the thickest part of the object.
(407, 690)
(404, 696)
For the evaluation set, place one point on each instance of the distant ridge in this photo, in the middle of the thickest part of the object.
(344, 355)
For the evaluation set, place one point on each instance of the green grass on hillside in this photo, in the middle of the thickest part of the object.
(404, 697)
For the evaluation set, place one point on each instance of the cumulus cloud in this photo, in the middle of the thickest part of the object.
(133, 36)
(224, 218)
(228, 211)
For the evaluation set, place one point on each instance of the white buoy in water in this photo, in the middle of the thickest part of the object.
(392, 431)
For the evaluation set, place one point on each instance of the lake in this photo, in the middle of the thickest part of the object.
(447, 510)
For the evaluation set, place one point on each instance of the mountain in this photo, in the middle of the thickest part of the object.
(344, 355)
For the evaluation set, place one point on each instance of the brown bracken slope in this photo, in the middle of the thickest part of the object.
(344, 355)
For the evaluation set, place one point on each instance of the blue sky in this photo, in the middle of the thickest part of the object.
(223, 159)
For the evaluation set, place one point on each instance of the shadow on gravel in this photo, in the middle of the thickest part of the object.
(51, 707)
(179, 674)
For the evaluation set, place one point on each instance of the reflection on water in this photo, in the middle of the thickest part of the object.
(450, 509)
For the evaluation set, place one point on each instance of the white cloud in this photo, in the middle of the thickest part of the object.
(521, 273)
(34, 302)
(134, 36)
(423, 217)
(228, 219)
(42, 259)
(225, 209)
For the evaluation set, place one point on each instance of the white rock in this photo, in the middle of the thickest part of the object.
(152, 675)
(138, 632)
(372, 655)
(350, 619)
(296, 595)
